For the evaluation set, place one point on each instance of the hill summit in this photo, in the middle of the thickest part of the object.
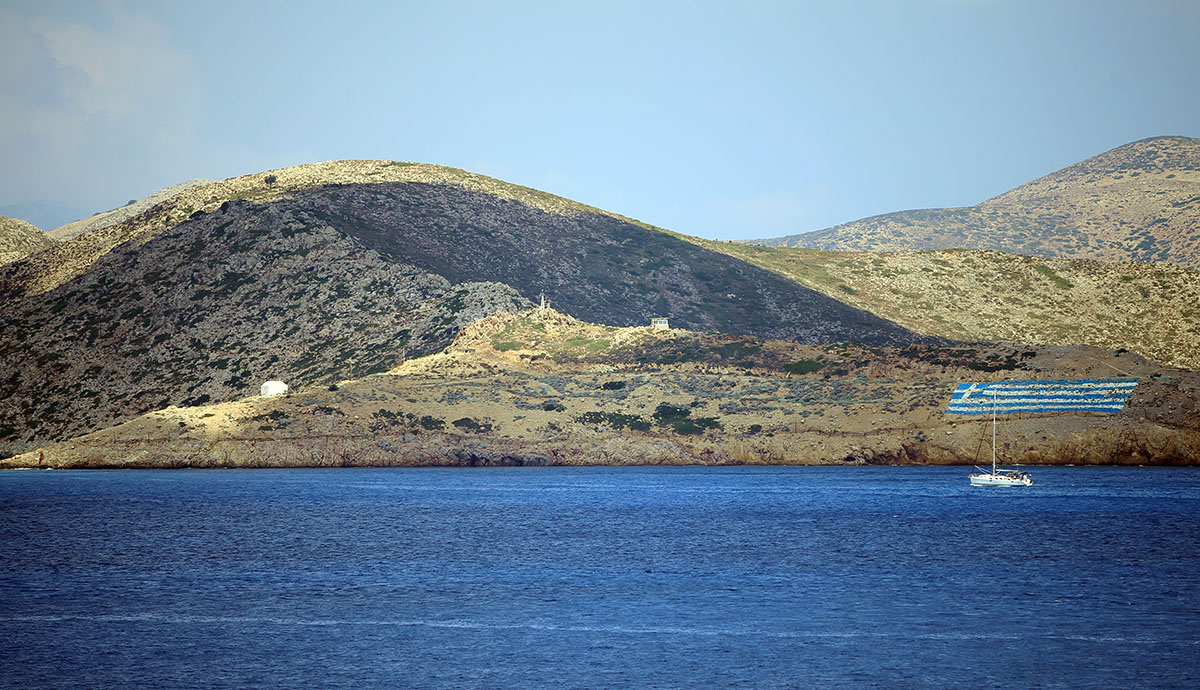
(1137, 202)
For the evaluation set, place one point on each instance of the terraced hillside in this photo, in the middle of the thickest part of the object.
(19, 239)
(1151, 309)
(1137, 202)
(542, 388)
(316, 282)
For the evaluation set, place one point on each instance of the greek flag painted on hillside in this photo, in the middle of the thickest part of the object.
(1011, 397)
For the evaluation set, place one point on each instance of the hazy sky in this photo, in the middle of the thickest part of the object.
(726, 120)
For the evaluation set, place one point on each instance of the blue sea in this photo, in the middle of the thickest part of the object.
(755, 577)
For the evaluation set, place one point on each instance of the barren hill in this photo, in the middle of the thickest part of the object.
(73, 257)
(1137, 202)
(311, 275)
(1151, 309)
(542, 388)
(19, 239)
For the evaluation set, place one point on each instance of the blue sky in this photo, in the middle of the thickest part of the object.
(725, 120)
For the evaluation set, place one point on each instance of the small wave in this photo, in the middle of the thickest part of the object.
(689, 631)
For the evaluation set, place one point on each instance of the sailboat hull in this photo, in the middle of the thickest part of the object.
(1001, 480)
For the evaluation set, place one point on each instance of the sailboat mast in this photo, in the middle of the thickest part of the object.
(993, 432)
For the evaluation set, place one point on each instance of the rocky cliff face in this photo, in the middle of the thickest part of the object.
(1138, 202)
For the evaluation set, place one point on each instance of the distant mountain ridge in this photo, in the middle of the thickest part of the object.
(43, 214)
(108, 218)
(1137, 202)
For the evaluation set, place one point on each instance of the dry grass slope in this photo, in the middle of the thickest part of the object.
(1151, 309)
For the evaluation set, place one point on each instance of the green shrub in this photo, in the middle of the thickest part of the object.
(695, 426)
(803, 366)
(1058, 280)
(616, 420)
(432, 424)
(739, 349)
(666, 413)
(468, 424)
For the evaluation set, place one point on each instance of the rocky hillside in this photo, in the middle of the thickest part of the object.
(1151, 309)
(542, 388)
(300, 276)
(591, 265)
(210, 309)
(1137, 202)
(133, 208)
(19, 239)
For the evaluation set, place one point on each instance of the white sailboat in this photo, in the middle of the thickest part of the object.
(999, 477)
